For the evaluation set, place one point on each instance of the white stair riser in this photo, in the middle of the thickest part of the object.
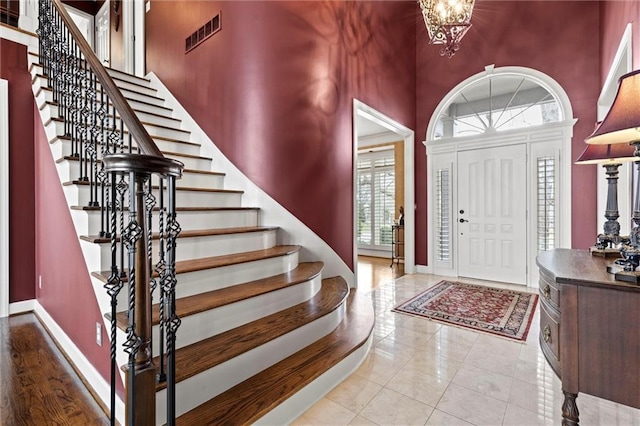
(165, 146)
(211, 199)
(140, 97)
(213, 279)
(200, 388)
(144, 107)
(127, 77)
(174, 132)
(199, 247)
(192, 163)
(188, 220)
(129, 91)
(200, 180)
(191, 283)
(203, 325)
(193, 220)
(184, 198)
(135, 104)
(141, 88)
(162, 120)
(183, 148)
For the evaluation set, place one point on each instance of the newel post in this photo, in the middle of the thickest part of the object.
(141, 404)
(132, 174)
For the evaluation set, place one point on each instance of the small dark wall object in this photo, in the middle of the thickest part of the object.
(202, 33)
(116, 13)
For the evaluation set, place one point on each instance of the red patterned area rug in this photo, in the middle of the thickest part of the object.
(505, 313)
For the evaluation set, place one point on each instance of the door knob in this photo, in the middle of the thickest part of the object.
(461, 211)
(463, 220)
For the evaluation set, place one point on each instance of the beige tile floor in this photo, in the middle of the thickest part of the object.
(420, 372)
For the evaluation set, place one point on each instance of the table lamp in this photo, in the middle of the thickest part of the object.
(622, 126)
(611, 158)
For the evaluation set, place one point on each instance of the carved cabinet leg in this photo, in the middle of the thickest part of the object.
(570, 414)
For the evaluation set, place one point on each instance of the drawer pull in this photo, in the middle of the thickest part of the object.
(546, 292)
(546, 334)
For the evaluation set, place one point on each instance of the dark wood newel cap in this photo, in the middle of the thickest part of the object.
(143, 164)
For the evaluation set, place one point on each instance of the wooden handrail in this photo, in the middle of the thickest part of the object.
(136, 129)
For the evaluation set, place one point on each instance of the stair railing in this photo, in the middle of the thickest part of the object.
(117, 162)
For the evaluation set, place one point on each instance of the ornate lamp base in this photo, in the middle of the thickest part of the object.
(625, 268)
(606, 245)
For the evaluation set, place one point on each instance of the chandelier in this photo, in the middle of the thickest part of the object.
(447, 22)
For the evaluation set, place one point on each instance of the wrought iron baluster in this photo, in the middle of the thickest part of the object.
(130, 236)
(173, 230)
(162, 273)
(113, 286)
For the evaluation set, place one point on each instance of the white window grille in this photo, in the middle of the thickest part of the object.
(443, 216)
(546, 210)
(376, 198)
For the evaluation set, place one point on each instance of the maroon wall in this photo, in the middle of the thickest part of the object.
(274, 90)
(13, 67)
(614, 17)
(559, 39)
(66, 293)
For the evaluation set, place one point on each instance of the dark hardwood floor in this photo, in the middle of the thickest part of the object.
(37, 384)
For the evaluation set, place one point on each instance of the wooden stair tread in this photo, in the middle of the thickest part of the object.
(191, 234)
(127, 74)
(250, 400)
(155, 138)
(74, 158)
(202, 302)
(179, 209)
(178, 188)
(204, 172)
(185, 266)
(215, 350)
(48, 89)
(127, 89)
(131, 82)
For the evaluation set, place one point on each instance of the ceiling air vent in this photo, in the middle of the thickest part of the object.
(203, 33)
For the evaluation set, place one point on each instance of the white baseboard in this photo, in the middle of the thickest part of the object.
(424, 269)
(21, 307)
(82, 364)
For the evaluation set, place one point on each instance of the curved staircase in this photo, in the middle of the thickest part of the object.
(263, 334)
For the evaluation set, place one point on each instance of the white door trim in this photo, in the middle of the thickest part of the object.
(86, 16)
(133, 16)
(408, 135)
(4, 198)
(560, 132)
(104, 9)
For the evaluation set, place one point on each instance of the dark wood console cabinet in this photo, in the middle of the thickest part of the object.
(589, 329)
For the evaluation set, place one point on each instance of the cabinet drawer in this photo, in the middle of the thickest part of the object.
(550, 337)
(549, 290)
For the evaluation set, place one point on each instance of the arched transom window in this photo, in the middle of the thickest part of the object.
(495, 103)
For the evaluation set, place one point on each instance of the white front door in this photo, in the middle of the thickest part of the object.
(103, 35)
(492, 209)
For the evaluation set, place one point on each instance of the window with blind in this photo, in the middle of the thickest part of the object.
(376, 198)
(443, 216)
(546, 210)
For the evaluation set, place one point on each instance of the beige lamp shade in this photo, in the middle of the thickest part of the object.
(601, 154)
(622, 123)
